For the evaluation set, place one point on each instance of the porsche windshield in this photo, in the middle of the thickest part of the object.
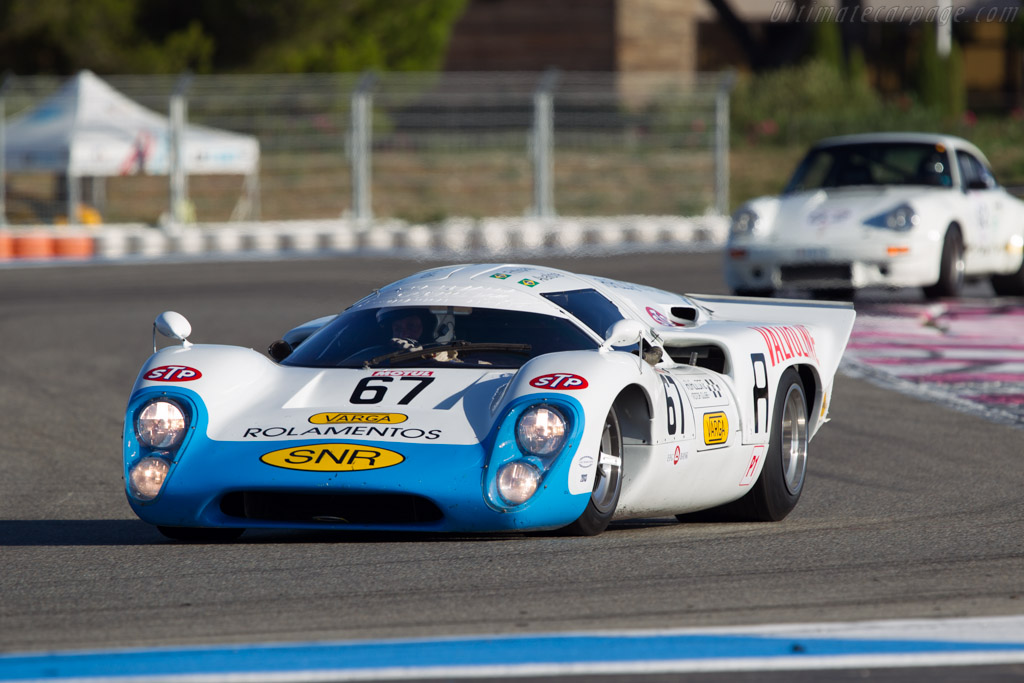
(877, 163)
(433, 336)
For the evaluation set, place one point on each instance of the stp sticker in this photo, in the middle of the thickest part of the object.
(563, 381)
(172, 373)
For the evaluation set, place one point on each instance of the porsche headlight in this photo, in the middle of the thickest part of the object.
(148, 476)
(160, 424)
(541, 430)
(744, 222)
(902, 218)
(517, 481)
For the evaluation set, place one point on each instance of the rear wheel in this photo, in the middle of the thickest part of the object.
(777, 490)
(951, 268)
(607, 483)
(200, 534)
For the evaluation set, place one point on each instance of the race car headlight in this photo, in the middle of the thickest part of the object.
(517, 481)
(744, 222)
(541, 430)
(902, 218)
(160, 424)
(148, 476)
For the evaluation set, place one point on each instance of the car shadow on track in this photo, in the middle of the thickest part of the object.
(127, 532)
(76, 532)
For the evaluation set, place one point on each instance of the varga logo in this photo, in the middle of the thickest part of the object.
(350, 418)
(716, 428)
(333, 457)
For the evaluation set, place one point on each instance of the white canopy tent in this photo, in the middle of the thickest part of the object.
(88, 129)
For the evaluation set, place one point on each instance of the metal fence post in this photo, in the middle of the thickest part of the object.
(177, 171)
(543, 146)
(362, 130)
(3, 148)
(722, 96)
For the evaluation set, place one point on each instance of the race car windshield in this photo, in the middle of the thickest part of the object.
(432, 336)
(872, 164)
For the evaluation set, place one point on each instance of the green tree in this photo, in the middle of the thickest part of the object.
(940, 80)
(169, 36)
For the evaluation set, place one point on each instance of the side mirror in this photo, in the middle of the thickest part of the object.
(623, 333)
(172, 325)
(279, 350)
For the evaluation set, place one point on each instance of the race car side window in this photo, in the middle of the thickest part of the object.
(974, 173)
(592, 308)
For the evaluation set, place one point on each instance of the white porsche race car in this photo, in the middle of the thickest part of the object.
(889, 209)
(487, 398)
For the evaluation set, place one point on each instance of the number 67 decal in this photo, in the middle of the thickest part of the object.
(367, 391)
(673, 406)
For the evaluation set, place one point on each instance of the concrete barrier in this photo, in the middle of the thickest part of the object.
(497, 237)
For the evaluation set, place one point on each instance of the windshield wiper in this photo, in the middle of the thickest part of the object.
(399, 356)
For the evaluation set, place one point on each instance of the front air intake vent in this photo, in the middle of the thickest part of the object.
(357, 508)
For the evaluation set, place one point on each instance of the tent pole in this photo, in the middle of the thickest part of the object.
(3, 157)
(8, 79)
(179, 177)
(72, 189)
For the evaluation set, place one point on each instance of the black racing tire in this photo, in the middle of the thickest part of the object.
(765, 293)
(192, 534)
(837, 294)
(777, 490)
(1011, 284)
(951, 268)
(607, 484)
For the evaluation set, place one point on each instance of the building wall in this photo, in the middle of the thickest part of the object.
(575, 35)
(533, 35)
(656, 35)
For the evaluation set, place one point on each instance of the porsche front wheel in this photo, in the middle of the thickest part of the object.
(607, 483)
(951, 268)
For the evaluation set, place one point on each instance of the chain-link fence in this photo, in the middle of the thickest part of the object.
(415, 147)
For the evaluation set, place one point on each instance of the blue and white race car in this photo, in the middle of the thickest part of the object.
(485, 398)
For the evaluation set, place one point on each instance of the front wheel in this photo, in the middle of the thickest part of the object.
(951, 268)
(607, 483)
(1011, 284)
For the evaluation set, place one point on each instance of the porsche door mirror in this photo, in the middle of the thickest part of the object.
(623, 333)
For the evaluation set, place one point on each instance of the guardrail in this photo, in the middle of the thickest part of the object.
(479, 238)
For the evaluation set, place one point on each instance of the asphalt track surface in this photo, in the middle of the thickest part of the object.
(910, 510)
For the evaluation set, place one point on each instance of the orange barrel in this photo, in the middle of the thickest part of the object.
(74, 246)
(6, 245)
(33, 245)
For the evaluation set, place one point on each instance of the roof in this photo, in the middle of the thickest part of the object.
(951, 141)
(512, 286)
